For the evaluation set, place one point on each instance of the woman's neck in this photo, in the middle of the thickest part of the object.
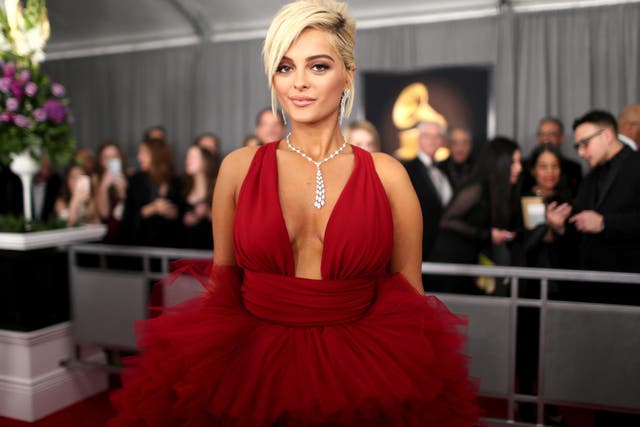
(199, 184)
(316, 141)
(541, 191)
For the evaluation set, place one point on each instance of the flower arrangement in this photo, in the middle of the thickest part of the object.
(34, 112)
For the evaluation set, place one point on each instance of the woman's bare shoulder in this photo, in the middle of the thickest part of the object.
(390, 170)
(235, 165)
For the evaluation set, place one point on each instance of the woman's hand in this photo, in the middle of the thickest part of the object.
(165, 208)
(499, 236)
(557, 216)
(118, 181)
(162, 207)
(190, 219)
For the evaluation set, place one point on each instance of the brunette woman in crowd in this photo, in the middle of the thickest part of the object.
(198, 183)
(151, 216)
(75, 203)
(110, 185)
(483, 216)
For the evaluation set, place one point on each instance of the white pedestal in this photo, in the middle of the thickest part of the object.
(32, 382)
(52, 238)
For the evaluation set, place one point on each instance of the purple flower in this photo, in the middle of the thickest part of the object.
(12, 104)
(5, 117)
(25, 75)
(30, 88)
(39, 114)
(17, 89)
(21, 121)
(55, 111)
(58, 90)
(5, 84)
(9, 70)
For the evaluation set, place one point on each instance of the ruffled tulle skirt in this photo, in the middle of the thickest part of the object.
(211, 362)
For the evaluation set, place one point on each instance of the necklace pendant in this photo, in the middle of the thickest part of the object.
(319, 189)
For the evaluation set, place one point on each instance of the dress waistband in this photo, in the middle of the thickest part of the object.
(306, 302)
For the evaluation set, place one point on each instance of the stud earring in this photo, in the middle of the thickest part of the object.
(343, 103)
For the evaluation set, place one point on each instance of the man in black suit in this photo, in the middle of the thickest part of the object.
(606, 221)
(431, 184)
(605, 224)
(551, 131)
(459, 164)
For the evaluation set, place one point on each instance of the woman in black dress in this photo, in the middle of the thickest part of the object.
(151, 216)
(483, 217)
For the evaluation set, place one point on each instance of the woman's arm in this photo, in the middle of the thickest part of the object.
(232, 172)
(406, 257)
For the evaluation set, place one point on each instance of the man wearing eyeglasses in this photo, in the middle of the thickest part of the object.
(605, 218)
(629, 126)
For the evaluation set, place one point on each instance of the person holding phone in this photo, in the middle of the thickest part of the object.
(75, 204)
(110, 185)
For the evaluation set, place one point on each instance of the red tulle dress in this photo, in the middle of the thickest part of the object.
(261, 347)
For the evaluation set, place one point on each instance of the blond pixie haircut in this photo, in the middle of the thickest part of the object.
(326, 15)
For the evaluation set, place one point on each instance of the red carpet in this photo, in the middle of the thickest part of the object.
(92, 412)
(95, 411)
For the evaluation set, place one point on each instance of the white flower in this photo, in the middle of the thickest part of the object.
(26, 41)
(5, 45)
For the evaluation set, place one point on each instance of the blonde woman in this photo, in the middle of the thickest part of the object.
(363, 134)
(313, 316)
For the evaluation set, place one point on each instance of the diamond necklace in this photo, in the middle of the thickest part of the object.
(319, 202)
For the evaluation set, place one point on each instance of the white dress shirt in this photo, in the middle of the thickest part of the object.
(439, 180)
(627, 141)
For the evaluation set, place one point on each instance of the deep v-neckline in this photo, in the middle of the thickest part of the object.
(283, 223)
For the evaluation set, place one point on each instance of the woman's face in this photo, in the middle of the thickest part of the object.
(108, 153)
(310, 79)
(74, 174)
(546, 171)
(516, 167)
(193, 163)
(363, 139)
(144, 158)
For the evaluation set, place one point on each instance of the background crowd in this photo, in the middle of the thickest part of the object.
(472, 206)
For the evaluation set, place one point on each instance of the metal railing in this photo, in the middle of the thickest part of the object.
(102, 287)
(514, 300)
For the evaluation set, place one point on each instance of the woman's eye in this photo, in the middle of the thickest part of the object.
(283, 69)
(319, 67)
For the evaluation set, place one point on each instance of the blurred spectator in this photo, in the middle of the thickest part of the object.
(110, 184)
(155, 132)
(540, 249)
(605, 219)
(431, 184)
(458, 166)
(210, 141)
(483, 217)
(85, 158)
(75, 203)
(546, 171)
(551, 131)
(151, 216)
(251, 141)
(269, 127)
(629, 126)
(45, 190)
(198, 184)
(363, 134)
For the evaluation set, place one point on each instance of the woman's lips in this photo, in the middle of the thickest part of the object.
(301, 101)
